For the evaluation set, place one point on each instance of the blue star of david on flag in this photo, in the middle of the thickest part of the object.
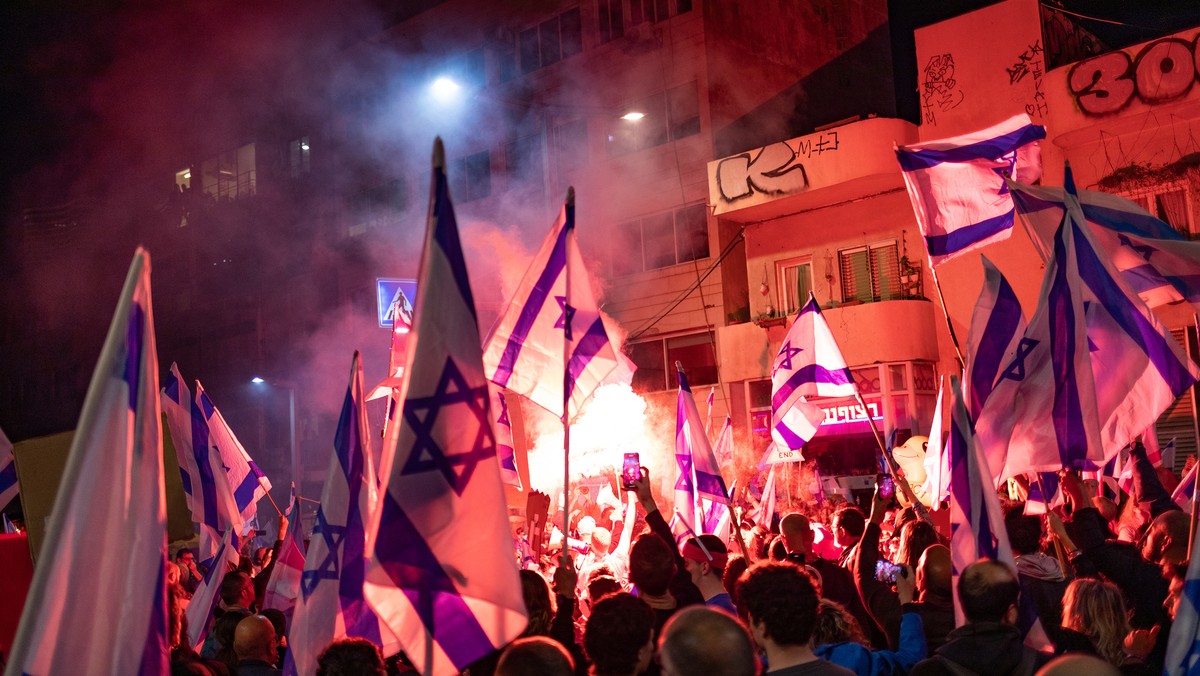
(568, 316)
(1016, 370)
(466, 403)
(503, 417)
(328, 569)
(1010, 160)
(1143, 250)
(784, 359)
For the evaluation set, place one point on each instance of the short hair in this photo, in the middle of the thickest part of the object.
(734, 568)
(278, 620)
(703, 640)
(850, 519)
(1024, 532)
(350, 657)
(782, 597)
(619, 627)
(184, 550)
(651, 565)
(602, 585)
(986, 590)
(232, 585)
(535, 656)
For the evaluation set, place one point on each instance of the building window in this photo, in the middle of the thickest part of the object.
(524, 162)
(612, 19)
(183, 179)
(655, 360)
(664, 116)
(870, 273)
(298, 157)
(660, 240)
(794, 281)
(377, 207)
(230, 175)
(1169, 202)
(471, 177)
(571, 145)
(550, 41)
(656, 10)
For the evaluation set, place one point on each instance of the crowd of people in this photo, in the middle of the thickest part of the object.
(1094, 590)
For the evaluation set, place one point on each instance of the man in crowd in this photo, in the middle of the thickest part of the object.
(351, 657)
(619, 637)
(779, 603)
(705, 557)
(655, 565)
(705, 641)
(1041, 576)
(990, 642)
(191, 577)
(254, 643)
(535, 655)
(848, 523)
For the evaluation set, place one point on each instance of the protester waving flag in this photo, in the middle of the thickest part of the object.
(441, 574)
(957, 184)
(9, 488)
(1093, 370)
(331, 604)
(97, 603)
(1155, 260)
(552, 305)
(245, 479)
(809, 363)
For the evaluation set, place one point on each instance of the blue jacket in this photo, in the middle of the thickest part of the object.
(866, 662)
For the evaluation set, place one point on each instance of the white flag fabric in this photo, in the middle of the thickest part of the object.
(205, 481)
(997, 327)
(1156, 262)
(97, 603)
(809, 364)
(245, 479)
(957, 184)
(441, 571)
(208, 592)
(284, 586)
(1094, 368)
(553, 312)
(331, 604)
(937, 465)
(699, 474)
(9, 488)
(504, 437)
(723, 446)
(795, 428)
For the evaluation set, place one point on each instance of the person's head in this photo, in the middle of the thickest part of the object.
(780, 603)
(174, 574)
(734, 568)
(651, 565)
(1176, 575)
(797, 533)
(601, 586)
(254, 639)
(585, 526)
(237, 590)
(536, 593)
(988, 591)
(935, 578)
(848, 524)
(701, 640)
(1024, 532)
(1078, 664)
(776, 549)
(262, 556)
(1096, 609)
(1107, 508)
(601, 540)
(184, 556)
(351, 657)
(279, 621)
(835, 624)
(619, 635)
(1167, 538)
(225, 626)
(535, 656)
(704, 556)
(915, 537)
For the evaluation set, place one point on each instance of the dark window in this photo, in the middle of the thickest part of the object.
(471, 177)
(651, 373)
(529, 50)
(667, 116)
(524, 159)
(691, 233)
(661, 240)
(683, 6)
(870, 273)
(695, 353)
(627, 249)
(658, 240)
(612, 23)
(655, 360)
(636, 13)
(571, 27)
(548, 39)
(684, 111)
(571, 145)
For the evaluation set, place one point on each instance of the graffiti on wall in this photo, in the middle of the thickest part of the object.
(939, 89)
(776, 169)
(1161, 71)
(1029, 66)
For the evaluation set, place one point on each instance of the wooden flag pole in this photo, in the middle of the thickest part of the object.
(566, 412)
(896, 472)
(1058, 547)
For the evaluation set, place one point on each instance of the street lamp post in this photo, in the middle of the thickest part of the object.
(297, 473)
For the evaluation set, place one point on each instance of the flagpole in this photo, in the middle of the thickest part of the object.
(1058, 547)
(566, 412)
(946, 314)
(892, 469)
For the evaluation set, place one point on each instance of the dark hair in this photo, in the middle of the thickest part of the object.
(232, 584)
(350, 657)
(278, 620)
(619, 627)
(1024, 532)
(651, 565)
(987, 589)
(782, 597)
(535, 655)
(851, 519)
(915, 537)
(536, 594)
(601, 586)
(223, 629)
(835, 624)
(734, 568)
(184, 550)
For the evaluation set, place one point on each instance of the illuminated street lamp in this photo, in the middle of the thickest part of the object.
(633, 116)
(445, 89)
(291, 388)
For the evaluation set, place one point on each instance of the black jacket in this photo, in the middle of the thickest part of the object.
(984, 648)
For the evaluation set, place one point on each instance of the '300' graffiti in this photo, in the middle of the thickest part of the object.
(1162, 71)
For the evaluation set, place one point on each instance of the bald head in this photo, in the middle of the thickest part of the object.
(254, 639)
(701, 640)
(797, 533)
(535, 655)
(988, 591)
(1167, 539)
(1078, 664)
(934, 573)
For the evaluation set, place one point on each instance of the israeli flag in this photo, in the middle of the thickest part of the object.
(809, 364)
